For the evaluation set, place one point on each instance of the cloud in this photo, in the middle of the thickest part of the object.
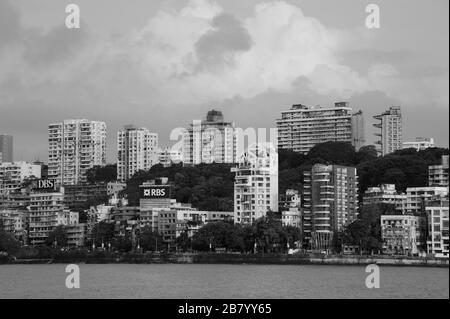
(9, 23)
(201, 53)
(183, 61)
(219, 46)
(52, 47)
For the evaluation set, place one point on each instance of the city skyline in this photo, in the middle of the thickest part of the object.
(371, 69)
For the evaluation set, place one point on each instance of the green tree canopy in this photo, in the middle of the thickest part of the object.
(58, 237)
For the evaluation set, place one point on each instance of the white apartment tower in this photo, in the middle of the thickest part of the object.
(44, 210)
(256, 183)
(358, 130)
(75, 146)
(210, 141)
(390, 130)
(137, 150)
(302, 127)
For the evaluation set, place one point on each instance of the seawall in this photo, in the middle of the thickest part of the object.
(206, 258)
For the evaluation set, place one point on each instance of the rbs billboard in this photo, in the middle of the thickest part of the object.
(156, 191)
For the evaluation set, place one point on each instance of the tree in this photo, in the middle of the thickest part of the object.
(102, 232)
(102, 174)
(122, 244)
(205, 186)
(357, 233)
(58, 237)
(218, 234)
(8, 243)
(183, 241)
(339, 153)
(150, 240)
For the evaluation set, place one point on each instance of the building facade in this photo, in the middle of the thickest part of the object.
(402, 234)
(12, 175)
(385, 194)
(169, 156)
(302, 127)
(438, 227)
(44, 210)
(438, 174)
(256, 183)
(329, 203)
(210, 141)
(74, 146)
(390, 132)
(137, 149)
(6, 148)
(358, 130)
(416, 198)
(421, 143)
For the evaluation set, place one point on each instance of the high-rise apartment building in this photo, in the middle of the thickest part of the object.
(75, 146)
(169, 156)
(302, 127)
(358, 130)
(329, 203)
(390, 131)
(210, 141)
(438, 174)
(256, 183)
(137, 150)
(6, 148)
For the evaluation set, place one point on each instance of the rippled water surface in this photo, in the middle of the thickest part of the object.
(221, 281)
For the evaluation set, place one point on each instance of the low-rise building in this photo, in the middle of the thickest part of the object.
(438, 174)
(15, 222)
(82, 195)
(290, 204)
(385, 194)
(416, 198)
(438, 227)
(76, 234)
(421, 143)
(114, 188)
(402, 234)
(13, 174)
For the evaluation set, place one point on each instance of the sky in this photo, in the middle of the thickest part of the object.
(161, 64)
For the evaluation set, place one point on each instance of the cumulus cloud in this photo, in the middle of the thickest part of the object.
(192, 57)
(201, 53)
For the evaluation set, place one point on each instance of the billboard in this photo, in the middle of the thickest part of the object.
(44, 184)
(154, 191)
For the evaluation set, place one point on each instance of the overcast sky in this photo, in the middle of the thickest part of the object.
(161, 64)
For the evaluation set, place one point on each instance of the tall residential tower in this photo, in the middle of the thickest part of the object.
(75, 146)
(256, 183)
(390, 130)
(210, 141)
(6, 148)
(137, 150)
(330, 202)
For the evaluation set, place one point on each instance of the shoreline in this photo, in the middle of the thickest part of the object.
(240, 259)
